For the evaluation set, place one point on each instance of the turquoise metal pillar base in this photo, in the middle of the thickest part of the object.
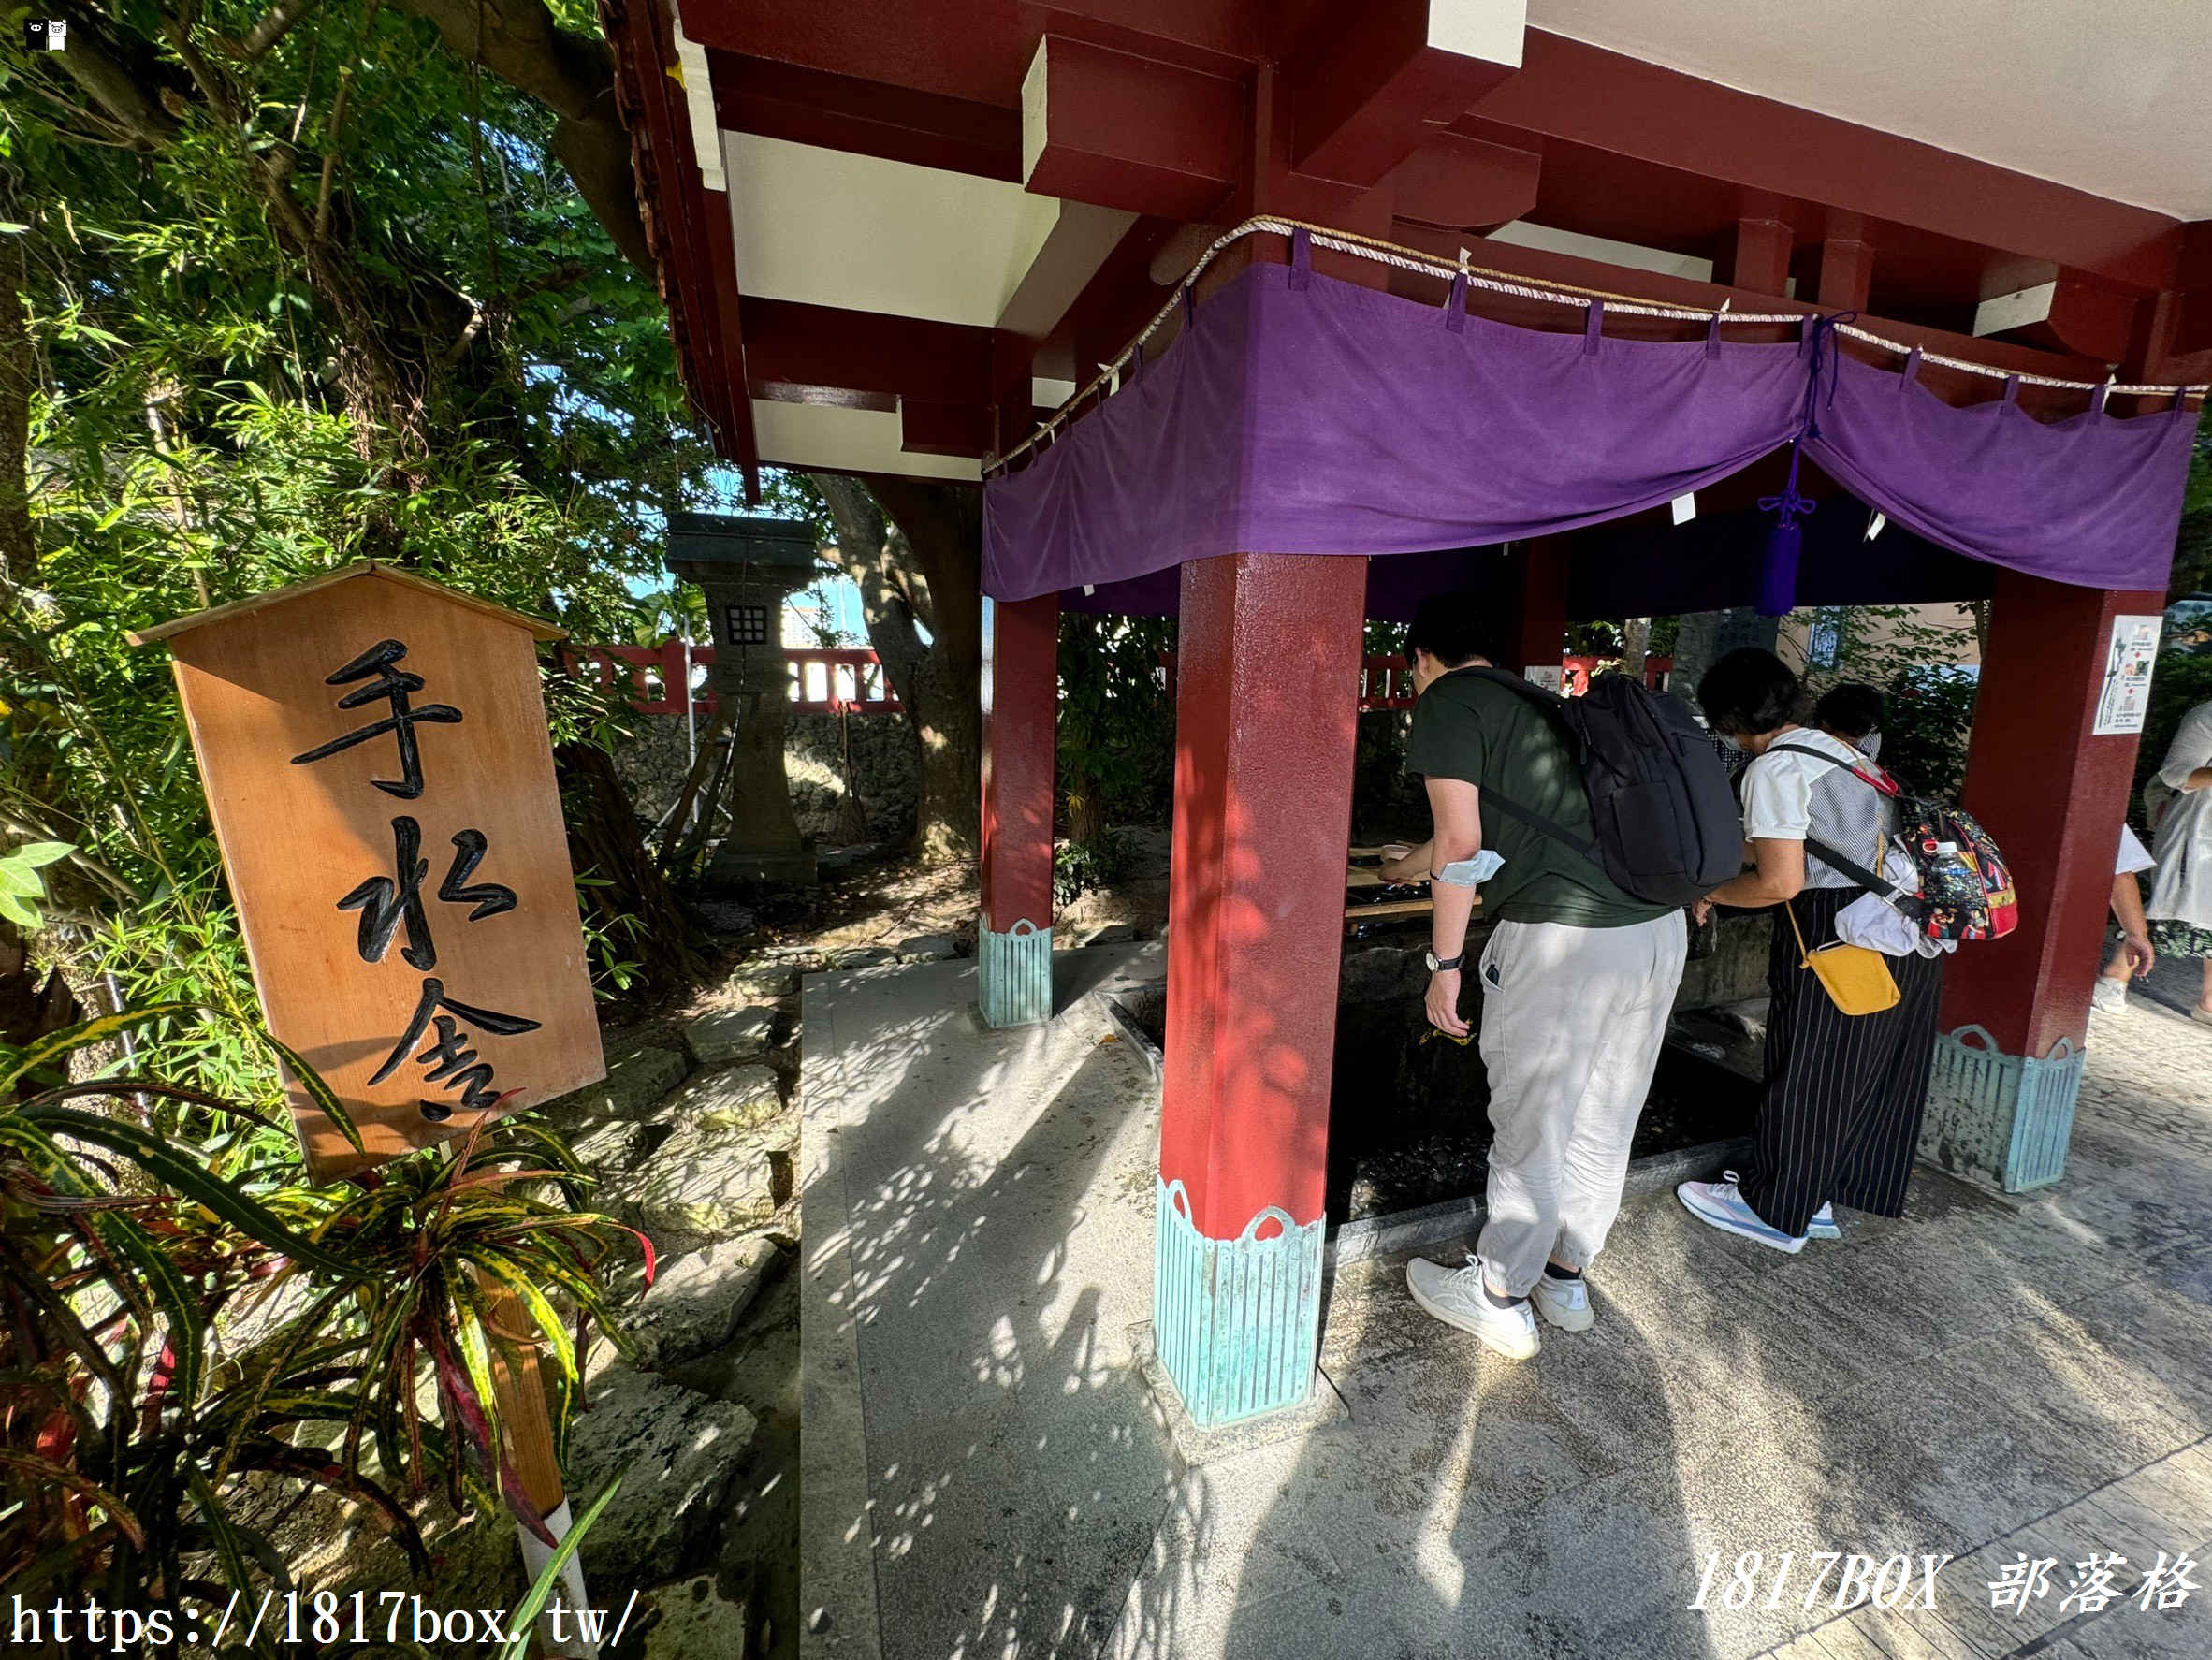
(1013, 974)
(1236, 1321)
(2002, 1119)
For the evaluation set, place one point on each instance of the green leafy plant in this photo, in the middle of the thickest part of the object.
(182, 1345)
(20, 886)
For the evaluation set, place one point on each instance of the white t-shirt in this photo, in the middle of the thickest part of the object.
(2133, 855)
(1788, 798)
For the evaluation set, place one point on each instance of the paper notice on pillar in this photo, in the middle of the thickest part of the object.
(2126, 693)
(377, 761)
(1551, 677)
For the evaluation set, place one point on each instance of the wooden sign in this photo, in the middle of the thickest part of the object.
(375, 756)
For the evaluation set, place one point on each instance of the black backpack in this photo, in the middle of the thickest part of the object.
(1668, 827)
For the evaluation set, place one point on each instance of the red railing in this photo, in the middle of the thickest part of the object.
(823, 682)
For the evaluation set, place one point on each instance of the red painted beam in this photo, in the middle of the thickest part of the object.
(864, 117)
(944, 429)
(688, 228)
(1366, 81)
(1131, 133)
(1757, 256)
(1462, 183)
(793, 344)
(1611, 102)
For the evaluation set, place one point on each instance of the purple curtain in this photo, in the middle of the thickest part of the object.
(1298, 413)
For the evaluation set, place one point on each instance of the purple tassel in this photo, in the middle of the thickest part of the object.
(1786, 542)
(1777, 571)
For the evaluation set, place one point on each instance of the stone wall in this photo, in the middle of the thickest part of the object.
(653, 760)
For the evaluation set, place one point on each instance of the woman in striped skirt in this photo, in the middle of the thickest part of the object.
(1841, 1115)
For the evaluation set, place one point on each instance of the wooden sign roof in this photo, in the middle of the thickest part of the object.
(358, 569)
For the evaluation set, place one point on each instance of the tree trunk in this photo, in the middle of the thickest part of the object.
(606, 843)
(1636, 646)
(943, 528)
(915, 552)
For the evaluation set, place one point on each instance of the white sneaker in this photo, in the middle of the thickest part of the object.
(1721, 1205)
(1823, 1225)
(2108, 994)
(1564, 1302)
(1455, 1296)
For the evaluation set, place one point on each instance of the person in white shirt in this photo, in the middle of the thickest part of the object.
(1839, 1117)
(2136, 955)
(2180, 800)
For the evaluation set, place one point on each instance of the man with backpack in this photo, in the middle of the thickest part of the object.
(1579, 973)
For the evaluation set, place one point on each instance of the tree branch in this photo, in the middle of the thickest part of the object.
(518, 41)
(274, 25)
(126, 80)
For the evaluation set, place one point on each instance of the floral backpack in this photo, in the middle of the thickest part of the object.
(1962, 888)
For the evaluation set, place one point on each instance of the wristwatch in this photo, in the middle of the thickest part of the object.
(1444, 964)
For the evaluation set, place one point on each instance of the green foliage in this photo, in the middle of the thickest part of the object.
(186, 1346)
(1931, 702)
(1116, 744)
(20, 885)
(196, 434)
(1080, 868)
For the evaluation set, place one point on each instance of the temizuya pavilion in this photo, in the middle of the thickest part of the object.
(1411, 278)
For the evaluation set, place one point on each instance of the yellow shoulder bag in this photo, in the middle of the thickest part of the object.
(1858, 980)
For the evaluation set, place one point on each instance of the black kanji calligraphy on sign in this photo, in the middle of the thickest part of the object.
(488, 897)
(385, 901)
(448, 1059)
(394, 686)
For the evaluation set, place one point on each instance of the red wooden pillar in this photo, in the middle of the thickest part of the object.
(1021, 695)
(1540, 565)
(2053, 794)
(1266, 714)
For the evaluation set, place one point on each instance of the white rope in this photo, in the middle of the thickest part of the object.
(1413, 260)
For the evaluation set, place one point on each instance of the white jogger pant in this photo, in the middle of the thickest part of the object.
(1572, 1022)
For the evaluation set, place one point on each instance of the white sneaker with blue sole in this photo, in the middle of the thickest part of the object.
(1823, 1225)
(1719, 1205)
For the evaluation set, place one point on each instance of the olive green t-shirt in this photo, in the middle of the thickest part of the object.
(1468, 727)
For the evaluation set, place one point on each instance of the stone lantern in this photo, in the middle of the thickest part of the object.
(747, 566)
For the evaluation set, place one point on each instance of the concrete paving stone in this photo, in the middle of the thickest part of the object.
(1911, 1634)
(928, 948)
(2180, 1489)
(2115, 1515)
(862, 956)
(1963, 1374)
